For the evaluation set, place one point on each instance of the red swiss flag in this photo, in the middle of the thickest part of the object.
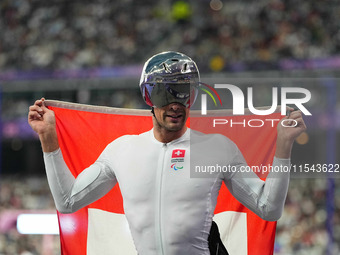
(178, 153)
(81, 233)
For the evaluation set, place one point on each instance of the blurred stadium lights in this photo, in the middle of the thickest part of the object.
(38, 224)
(303, 138)
(216, 5)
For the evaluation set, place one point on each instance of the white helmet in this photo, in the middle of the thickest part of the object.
(169, 77)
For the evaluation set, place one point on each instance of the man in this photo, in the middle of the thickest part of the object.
(168, 212)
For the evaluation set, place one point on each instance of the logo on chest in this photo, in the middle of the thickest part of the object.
(177, 159)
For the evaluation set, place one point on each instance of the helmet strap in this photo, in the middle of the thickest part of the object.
(153, 111)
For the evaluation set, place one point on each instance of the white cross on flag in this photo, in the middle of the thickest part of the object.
(178, 153)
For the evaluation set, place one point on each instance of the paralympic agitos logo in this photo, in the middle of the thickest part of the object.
(239, 100)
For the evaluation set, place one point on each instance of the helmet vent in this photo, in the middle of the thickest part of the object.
(174, 59)
(185, 66)
(166, 68)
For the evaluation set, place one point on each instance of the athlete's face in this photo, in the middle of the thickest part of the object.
(171, 117)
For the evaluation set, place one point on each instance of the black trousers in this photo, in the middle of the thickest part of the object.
(216, 246)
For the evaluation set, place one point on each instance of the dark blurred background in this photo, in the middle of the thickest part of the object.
(92, 52)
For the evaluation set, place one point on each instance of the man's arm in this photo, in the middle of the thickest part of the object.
(287, 135)
(69, 193)
(267, 198)
(264, 198)
(42, 121)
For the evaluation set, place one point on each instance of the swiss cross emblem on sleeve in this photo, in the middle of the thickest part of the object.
(177, 159)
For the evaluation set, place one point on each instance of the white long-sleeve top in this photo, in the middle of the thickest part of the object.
(168, 211)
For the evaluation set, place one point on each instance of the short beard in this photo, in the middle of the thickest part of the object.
(174, 129)
(170, 129)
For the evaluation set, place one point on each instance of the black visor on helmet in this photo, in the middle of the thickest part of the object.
(176, 89)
